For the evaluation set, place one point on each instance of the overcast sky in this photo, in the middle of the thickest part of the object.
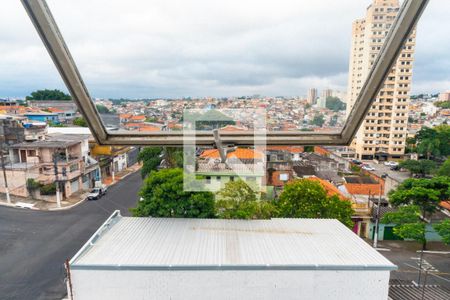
(176, 48)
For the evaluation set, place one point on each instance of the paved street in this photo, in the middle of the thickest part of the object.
(404, 255)
(381, 169)
(35, 244)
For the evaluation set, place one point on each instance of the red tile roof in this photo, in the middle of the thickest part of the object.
(445, 204)
(241, 153)
(137, 118)
(329, 187)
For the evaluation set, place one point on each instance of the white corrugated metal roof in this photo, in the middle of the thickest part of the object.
(200, 243)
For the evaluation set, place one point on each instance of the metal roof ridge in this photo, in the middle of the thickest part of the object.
(106, 226)
(256, 267)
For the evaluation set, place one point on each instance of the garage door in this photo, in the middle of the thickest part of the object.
(74, 186)
(389, 234)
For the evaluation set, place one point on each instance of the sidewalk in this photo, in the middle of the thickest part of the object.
(409, 245)
(121, 175)
(74, 200)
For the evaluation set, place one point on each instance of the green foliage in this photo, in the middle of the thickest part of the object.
(318, 120)
(335, 104)
(308, 199)
(32, 184)
(164, 196)
(80, 121)
(422, 167)
(173, 157)
(423, 193)
(440, 184)
(426, 199)
(238, 200)
(48, 95)
(444, 170)
(102, 109)
(151, 158)
(443, 134)
(51, 124)
(443, 229)
(355, 168)
(408, 223)
(151, 119)
(48, 189)
(308, 148)
(442, 104)
(434, 141)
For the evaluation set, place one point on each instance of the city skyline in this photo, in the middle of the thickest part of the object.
(228, 59)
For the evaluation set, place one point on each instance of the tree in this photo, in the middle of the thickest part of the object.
(334, 104)
(102, 109)
(444, 170)
(442, 104)
(422, 167)
(151, 158)
(443, 134)
(426, 194)
(163, 196)
(409, 224)
(173, 157)
(308, 199)
(80, 121)
(48, 95)
(443, 229)
(318, 120)
(433, 141)
(238, 200)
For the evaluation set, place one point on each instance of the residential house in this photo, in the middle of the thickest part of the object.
(362, 214)
(16, 129)
(61, 159)
(43, 117)
(241, 163)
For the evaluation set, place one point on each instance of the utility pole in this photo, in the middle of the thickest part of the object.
(377, 220)
(55, 165)
(112, 171)
(8, 199)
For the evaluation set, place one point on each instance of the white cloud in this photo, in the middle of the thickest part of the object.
(170, 48)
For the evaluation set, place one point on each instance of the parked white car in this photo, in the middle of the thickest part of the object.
(391, 163)
(96, 193)
(368, 168)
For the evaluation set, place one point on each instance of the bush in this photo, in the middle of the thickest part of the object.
(32, 184)
(48, 189)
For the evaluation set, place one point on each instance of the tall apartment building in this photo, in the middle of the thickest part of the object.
(383, 134)
(312, 96)
(327, 93)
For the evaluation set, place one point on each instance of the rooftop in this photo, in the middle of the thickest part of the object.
(240, 153)
(166, 243)
(54, 141)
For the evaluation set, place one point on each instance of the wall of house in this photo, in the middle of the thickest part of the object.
(17, 180)
(232, 284)
(212, 183)
(120, 162)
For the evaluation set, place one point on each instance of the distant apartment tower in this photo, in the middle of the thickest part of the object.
(383, 133)
(445, 96)
(312, 96)
(327, 93)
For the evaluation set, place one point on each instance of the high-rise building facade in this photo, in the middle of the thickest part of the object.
(383, 133)
(312, 96)
(327, 93)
